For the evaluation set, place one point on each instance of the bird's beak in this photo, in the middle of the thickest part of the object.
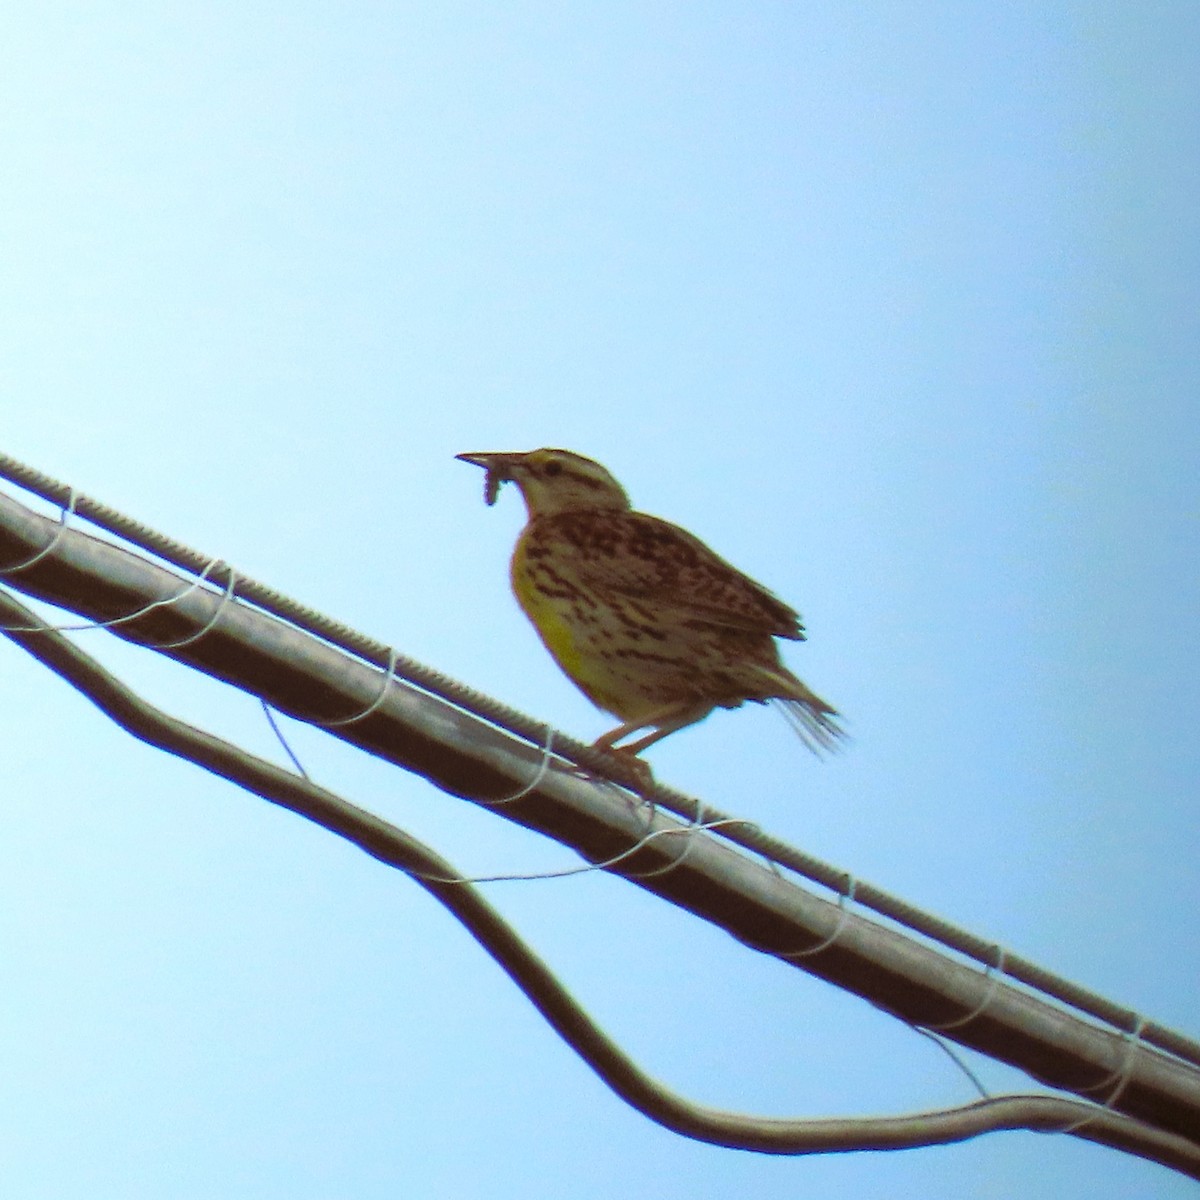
(498, 466)
(480, 459)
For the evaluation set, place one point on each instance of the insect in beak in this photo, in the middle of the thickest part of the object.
(498, 468)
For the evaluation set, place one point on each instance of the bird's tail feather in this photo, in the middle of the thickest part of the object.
(814, 722)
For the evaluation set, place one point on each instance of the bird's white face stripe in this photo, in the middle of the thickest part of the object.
(550, 480)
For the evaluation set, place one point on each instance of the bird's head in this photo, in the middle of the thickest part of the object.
(551, 481)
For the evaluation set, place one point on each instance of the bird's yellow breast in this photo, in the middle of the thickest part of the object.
(545, 614)
(555, 617)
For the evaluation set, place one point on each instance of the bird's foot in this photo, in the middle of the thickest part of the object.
(643, 776)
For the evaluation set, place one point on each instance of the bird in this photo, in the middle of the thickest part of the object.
(648, 622)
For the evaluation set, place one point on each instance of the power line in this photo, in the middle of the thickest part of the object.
(394, 847)
(743, 833)
(312, 680)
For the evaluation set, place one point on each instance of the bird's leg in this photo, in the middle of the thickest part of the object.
(627, 755)
(665, 720)
(656, 717)
(608, 741)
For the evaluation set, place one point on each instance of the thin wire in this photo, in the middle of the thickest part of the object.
(540, 774)
(208, 626)
(955, 1058)
(396, 849)
(845, 897)
(65, 513)
(566, 872)
(533, 783)
(283, 740)
(992, 974)
(1133, 1037)
(389, 675)
(690, 833)
(210, 567)
(473, 701)
(844, 902)
(188, 588)
(1120, 1078)
(686, 832)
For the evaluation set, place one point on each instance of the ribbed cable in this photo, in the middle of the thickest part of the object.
(740, 832)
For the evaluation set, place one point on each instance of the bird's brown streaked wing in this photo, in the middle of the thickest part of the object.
(648, 559)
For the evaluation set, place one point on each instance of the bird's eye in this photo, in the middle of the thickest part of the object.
(552, 469)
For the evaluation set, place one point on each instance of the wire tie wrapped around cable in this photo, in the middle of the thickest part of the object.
(689, 832)
(565, 873)
(65, 514)
(844, 902)
(1119, 1079)
(208, 626)
(112, 622)
(992, 974)
(845, 899)
(686, 831)
(389, 675)
(540, 774)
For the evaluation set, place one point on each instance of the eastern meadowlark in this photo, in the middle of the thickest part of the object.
(643, 617)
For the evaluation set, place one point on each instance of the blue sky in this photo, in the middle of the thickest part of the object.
(895, 305)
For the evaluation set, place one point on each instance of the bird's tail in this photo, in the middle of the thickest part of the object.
(815, 722)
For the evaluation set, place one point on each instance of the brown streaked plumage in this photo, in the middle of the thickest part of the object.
(649, 623)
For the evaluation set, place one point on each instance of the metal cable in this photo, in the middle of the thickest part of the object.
(395, 848)
(603, 765)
